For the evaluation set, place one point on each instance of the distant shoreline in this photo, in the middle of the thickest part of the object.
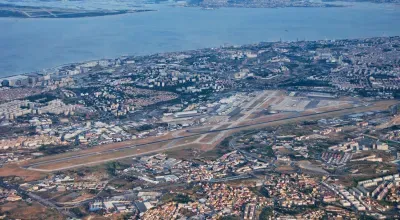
(211, 6)
(30, 12)
(15, 61)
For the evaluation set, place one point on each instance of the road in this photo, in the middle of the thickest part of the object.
(386, 140)
(40, 200)
(232, 178)
(85, 201)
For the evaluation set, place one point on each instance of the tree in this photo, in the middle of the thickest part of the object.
(230, 217)
(112, 167)
(268, 151)
(266, 213)
(181, 198)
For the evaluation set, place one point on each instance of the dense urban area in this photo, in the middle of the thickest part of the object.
(280, 130)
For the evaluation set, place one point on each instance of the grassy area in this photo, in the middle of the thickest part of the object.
(266, 213)
(114, 166)
(52, 149)
(230, 217)
(260, 191)
(179, 198)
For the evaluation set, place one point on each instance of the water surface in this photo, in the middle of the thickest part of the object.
(34, 44)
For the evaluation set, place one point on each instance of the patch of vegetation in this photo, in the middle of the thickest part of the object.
(366, 217)
(310, 122)
(267, 150)
(225, 142)
(181, 198)
(387, 203)
(260, 191)
(306, 190)
(84, 90)
(220, 150)
(230, 217)
(266, 213)
(42, 98)
(128, 216)
(144, 127)
(114, 166)
(150, 126)
(78, 212)
(93, 191)
(167, 197)
(296, 211)
(10, 130)
(51, 149)
(308, 83)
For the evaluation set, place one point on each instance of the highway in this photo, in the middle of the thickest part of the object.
(386, 140)
(33, 165)
(232, 178)
(40, 200)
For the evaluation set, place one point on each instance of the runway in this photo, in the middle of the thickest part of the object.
(35, 165)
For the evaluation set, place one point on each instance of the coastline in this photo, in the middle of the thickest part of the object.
(154, 54)
(143, 39)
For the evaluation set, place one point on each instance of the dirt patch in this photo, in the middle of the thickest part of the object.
(279, 100)
(96, 217)
(83, 197)
(22, 210)
(15, 170)
(67, 197)
(187, 140)
(285, 169)
(307, 165)
(209, 137)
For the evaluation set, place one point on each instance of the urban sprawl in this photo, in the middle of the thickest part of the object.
(282, 130)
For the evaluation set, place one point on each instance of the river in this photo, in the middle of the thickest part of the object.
(34, 44)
